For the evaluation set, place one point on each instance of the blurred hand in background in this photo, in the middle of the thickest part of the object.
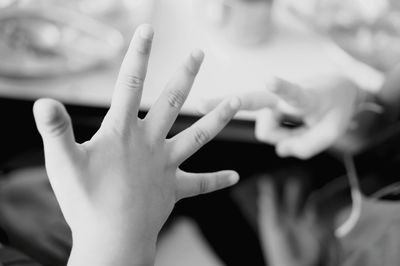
(301, 121)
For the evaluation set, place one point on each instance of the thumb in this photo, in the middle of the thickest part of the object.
(193, 184)
(54, 125)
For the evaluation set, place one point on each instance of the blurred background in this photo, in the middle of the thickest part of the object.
(44, 43)
(71, 50)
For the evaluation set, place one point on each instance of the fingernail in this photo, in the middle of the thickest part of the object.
(198, 55)
(234, 103)
(146, 32)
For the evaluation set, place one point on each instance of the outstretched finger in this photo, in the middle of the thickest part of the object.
(191, 184)
(54, 125)
(129, 86)
(165, 111)
(192, 139)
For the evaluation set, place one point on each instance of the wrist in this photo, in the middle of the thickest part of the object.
(104, 248)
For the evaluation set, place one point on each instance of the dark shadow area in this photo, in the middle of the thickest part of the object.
(218, 216)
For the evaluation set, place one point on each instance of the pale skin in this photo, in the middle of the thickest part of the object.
(326, 106)
(117, 189)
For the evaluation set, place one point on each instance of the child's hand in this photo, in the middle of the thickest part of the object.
(322, 113)
(117, 190)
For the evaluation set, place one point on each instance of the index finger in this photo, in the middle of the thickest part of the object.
(128, 90)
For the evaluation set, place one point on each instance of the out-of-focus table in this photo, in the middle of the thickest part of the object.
(292, 52)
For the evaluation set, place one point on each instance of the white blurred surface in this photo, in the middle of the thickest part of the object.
(292, 53)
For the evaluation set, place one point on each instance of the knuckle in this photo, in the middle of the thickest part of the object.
(176, 98)
(201, 137)
(133, 82)
(203, 186)
(144, 47)
(57, 127)
(116, 128)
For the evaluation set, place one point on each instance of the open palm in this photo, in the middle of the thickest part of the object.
(124, 182)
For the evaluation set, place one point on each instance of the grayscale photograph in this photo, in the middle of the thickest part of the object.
(199, 132)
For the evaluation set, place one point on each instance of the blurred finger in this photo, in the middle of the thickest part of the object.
(164, 112)
(250, 101)
(313, 141)
(294, 95)
(268, 128)
(129, 86)
(191, 184)
(192, 139)
(207, 105)
(258, 100)
(54, 125)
